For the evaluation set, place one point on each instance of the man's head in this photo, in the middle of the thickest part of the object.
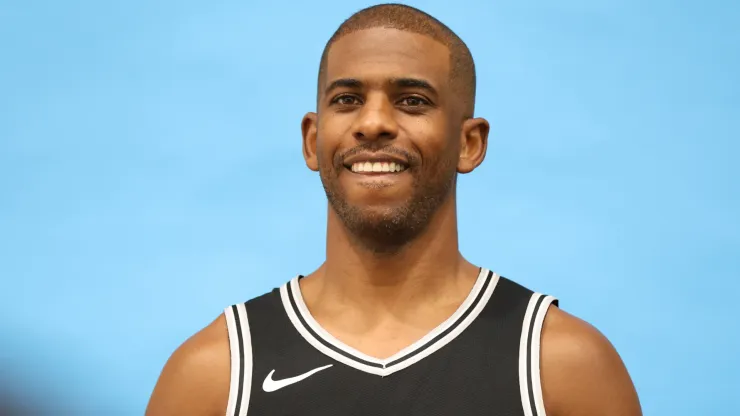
(394, 123)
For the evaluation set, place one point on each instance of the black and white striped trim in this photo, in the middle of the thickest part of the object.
(320, 339)
(240, 343)
(530, 385)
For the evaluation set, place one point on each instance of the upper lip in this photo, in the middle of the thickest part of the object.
(374, 157)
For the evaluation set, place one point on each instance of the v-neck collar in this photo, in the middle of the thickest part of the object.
(437, 338)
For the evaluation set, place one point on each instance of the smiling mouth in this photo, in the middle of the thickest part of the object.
(368, 167)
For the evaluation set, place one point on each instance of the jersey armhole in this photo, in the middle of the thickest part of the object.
(240, 345)
(530, 385)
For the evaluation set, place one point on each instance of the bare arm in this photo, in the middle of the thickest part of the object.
(195, 380)
(582, 374)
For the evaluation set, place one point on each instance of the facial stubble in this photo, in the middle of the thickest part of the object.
(386, 230)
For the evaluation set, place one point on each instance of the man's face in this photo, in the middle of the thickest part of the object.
(387, 137)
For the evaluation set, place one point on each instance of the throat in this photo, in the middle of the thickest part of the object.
(382, 341)
(382, 320)
(383, 334)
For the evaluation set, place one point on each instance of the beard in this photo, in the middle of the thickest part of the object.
(387, 229)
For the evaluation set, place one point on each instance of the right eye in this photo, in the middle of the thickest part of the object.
(346, 100)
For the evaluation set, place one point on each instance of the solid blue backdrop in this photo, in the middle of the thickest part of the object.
(151, 174)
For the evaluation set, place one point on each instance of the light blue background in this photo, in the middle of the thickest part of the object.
(151, 174)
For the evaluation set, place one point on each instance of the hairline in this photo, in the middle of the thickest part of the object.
(325, 55)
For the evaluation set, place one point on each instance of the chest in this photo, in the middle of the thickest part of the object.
(453, 381)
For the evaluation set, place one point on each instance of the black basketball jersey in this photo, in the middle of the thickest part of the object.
(483, 360)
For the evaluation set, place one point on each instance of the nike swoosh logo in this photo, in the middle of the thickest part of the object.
(270, 385)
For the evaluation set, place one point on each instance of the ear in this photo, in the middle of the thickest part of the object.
(473, 144)
(309, 128)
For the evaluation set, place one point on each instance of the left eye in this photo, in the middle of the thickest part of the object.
(413, 101)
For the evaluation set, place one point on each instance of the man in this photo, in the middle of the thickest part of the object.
(395, 321)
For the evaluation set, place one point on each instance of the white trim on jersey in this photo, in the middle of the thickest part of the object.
(530, 384)
(539, 320)
(318, 329)
(240, 345)
(523, 374)
(318, 345)
(456, 331)
(444, 333)
(235, 360)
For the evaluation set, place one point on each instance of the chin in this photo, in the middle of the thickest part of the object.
(366, 197)
(379, 216)
(383, 222)
(379, 211)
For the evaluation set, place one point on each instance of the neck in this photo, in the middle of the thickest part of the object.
(422, 269)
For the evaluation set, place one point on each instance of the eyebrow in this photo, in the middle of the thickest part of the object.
(413, 83)
(396, 82)
(343, 83)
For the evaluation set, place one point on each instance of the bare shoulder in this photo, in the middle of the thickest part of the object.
(195, 380)
(581, 372)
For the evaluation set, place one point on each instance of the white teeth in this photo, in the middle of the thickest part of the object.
(377, 167)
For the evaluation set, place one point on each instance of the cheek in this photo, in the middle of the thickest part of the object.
(439, 145)
(329, 159)
(328, 140)
(325, 148)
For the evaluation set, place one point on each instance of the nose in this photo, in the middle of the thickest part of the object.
(375, 120)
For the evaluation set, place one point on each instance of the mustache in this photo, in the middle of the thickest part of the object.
(375, 148)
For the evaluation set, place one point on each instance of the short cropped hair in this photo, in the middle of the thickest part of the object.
(410, 19)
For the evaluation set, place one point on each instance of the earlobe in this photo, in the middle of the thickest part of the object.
(309, 129)
(473, 144)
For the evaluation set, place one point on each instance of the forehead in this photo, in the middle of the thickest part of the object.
(380, 54)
